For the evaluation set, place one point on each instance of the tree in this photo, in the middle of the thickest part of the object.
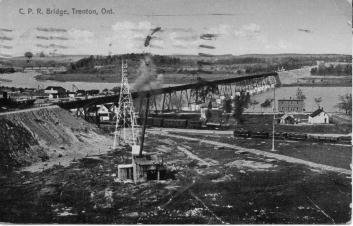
(41, 54)
(345, 103)
(116, 90)
(318, 100)
(300, 95)
(240, 103)
(28, 55)
(227, 105)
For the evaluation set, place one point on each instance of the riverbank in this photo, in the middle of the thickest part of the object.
(43, 137)
(100, 78)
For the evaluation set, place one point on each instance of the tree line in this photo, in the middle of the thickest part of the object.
(338, 69)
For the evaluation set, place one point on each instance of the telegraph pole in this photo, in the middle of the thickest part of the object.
(274, 118)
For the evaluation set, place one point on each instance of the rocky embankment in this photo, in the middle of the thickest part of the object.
(45, 137)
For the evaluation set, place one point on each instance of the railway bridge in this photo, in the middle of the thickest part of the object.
(175, 97)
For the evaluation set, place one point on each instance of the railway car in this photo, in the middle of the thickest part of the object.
(148, 123)
(296, 136)
(263, 135)
(323, 138)
(175, 123)
(194, 124)
(279, 135)
(158, 122)
(242, 133)
(345, 140)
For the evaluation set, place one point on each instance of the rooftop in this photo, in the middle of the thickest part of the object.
(317, 112)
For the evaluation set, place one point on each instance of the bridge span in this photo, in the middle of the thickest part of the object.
(189, 91)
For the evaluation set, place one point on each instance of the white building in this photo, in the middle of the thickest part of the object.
(318, 117)
(106, 111)
(55, 92)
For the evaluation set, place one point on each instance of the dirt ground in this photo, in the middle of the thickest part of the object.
(205, 184)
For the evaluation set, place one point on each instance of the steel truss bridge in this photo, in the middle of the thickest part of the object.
(175, 97)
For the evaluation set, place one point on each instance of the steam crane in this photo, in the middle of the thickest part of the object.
(143, 166)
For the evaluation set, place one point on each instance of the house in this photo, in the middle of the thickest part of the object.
(81, 92)
(293, 118)
(71, 95)
(291, 105)
(92, 92)
(55, 92)
(287, 119)
(318, 117)
(106, 112)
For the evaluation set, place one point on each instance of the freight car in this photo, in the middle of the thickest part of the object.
(175, 123)
(318, 138)
(194, 124)
(296, 136)
(345, 140)
(157, 122)
(263, 135)
(242, 133)
(280, 135)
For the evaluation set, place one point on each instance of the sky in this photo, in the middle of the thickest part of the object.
(239, 26)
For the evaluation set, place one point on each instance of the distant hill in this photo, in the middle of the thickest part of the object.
(293, 55)
(21, 61)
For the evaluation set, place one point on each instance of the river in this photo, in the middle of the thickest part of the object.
(27, 80)
(329, 95)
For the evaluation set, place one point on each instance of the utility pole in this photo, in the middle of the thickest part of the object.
(274, 118)
(144, 124)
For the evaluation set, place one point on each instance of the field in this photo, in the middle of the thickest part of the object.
(205, 184)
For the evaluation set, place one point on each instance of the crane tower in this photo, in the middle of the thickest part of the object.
(125, 127)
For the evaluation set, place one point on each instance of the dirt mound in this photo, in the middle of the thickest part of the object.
(31, 136)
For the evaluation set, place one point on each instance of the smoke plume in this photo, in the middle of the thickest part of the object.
(148, 78)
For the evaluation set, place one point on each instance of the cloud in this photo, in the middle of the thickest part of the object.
(280, 46)
(184, 30)
(80, 35)
(180, 40)
(245, 31)
(81, 41)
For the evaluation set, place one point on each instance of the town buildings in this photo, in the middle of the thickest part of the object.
(318, 117)
(291, 105)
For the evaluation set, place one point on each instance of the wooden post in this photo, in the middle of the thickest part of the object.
(163, 102)
(155, 103)
(97, 118)
(180, 100)
(187, 97)
(170, 101)
(140, 107)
